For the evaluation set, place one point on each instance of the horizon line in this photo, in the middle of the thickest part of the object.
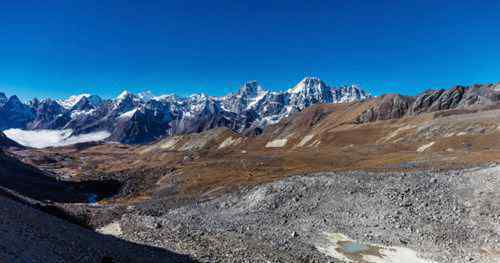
(120, 91)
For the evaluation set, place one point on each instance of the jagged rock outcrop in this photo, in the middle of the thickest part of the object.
(391, 106)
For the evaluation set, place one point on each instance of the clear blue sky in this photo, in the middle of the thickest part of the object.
(58, 48)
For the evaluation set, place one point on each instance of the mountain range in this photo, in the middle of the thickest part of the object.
(141, 118)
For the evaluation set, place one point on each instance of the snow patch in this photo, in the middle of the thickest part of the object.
(270, 120)
(229, 142)
(343, 248)
(396, 254)
(277, 143)
(128, 114)
(199, 141)
(76, 114)
(123, 95)
(305, 140)
(297, 89)
(165, 144)
(396, 133)
(165, 97)
(315, 144)
(253, 101)
(113, 229)
(170, 143)
(425, 147)
(194, 144)
(52, 138)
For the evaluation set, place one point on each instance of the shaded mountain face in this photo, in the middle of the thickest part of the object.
(5, 142)
(15, 114)
(29, 181)
(48, 115)
(3, 99)
(140, 118)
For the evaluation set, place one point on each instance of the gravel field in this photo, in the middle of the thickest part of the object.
(336, 217)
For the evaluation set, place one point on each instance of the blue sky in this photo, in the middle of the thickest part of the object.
(58, 48)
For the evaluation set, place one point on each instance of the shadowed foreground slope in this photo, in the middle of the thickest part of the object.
(29, 235)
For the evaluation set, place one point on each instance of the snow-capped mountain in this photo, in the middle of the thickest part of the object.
(349, 94)
(248, 97)
(143, 117)
(72, 100)
(15, 114)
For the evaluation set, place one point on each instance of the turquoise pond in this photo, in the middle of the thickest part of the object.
(354, 247)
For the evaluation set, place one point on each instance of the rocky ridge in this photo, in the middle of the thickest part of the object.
(394, 106)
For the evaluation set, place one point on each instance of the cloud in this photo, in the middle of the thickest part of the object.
(47, 138)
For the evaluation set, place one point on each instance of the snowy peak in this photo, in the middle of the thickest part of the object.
(167, 98)
(198, 103)
(252, 93)
(72, 100)
(251, 88)
(349, 94)
(88, 103)
(308, 85)
(146, 96)
(123, 95)
(124, 102)
(314, 88)
(307, 92)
